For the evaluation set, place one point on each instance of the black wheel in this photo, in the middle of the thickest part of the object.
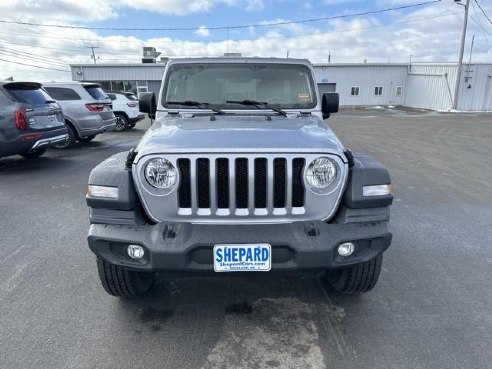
(33, 154)
(357, 278)
(121, 282)
(121, 123)
(86, 138)
(70, 141)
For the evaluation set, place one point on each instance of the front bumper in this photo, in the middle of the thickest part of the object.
(185, 247)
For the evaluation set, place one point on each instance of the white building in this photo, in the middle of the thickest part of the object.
(421, 85)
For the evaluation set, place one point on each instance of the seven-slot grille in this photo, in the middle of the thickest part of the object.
(241, 186)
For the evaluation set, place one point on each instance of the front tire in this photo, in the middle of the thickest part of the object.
(355, 279)
(121, 282)
(121, 123)
(33, 154)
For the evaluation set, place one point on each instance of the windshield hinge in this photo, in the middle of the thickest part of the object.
(304, 114)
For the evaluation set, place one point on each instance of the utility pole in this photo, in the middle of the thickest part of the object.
(92, 47)
(228, 38)
(460, 61)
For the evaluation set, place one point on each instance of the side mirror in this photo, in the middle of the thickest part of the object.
(147, 103)
(330, 103)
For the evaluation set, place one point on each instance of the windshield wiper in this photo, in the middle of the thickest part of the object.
(198, 104)
(258, 104)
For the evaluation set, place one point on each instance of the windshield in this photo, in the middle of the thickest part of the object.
(285, 86)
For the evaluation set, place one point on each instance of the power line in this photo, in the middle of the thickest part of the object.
(134, 56)
(61, 49)
(68, 38)
(35, 66)
(479, 23)
(31, 59)
(411, 20)
(43, 58)
(483, 11)
(260, 25)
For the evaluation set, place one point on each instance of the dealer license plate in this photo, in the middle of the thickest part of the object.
(255, 257)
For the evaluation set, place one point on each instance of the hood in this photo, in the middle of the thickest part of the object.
(229, 133)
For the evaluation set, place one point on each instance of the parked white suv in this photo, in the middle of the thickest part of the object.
(86, 108)
(125, 108)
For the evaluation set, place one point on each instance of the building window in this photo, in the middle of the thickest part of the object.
(399, 90)
(130, 86)
(117, 86)
(355, 91)
(105, 85)
(378, 90)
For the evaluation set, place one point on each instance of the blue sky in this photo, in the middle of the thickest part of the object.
(244, 13)
(429, 33)
(223, 15)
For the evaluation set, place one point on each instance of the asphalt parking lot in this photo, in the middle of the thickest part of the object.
(432, 307)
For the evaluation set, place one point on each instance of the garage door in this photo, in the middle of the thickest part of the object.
(326, 87)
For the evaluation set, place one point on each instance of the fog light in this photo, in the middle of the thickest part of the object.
(346, 249)
(135, 251)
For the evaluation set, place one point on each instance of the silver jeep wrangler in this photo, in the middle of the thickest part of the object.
(239, 173)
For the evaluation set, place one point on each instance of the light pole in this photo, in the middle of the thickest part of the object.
(462, 50)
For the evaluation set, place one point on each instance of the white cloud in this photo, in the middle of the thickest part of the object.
(338, 2)
(58, 10)
(202, 31)
(183, 7)
(429, 34)
(254, 5)
(96, 10)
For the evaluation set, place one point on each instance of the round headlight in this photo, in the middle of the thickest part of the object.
(321, 173)
(160, 173)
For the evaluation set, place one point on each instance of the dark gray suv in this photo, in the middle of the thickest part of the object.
(30, 120)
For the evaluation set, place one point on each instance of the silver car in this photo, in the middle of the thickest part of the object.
(86, 108)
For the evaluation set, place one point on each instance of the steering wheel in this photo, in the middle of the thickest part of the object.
(277, 100)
